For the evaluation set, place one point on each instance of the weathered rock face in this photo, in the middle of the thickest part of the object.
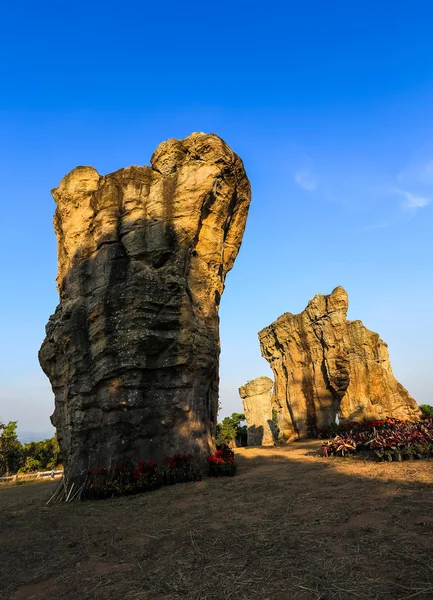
(132, 351)
(257, 400)
(326, 366)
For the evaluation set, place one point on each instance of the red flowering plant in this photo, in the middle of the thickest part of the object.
(180, 468)
(145, 476)
(96, 483)
(330, 431)
(123, 480)
(222, 463)
(386, 439)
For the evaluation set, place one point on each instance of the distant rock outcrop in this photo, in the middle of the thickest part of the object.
(132, 351)
(257, 400)
(326, 366)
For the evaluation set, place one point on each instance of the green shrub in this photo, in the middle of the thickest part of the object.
(30, 465)
(275, 426)
(427, 410)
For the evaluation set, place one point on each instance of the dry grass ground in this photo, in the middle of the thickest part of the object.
(289, 526)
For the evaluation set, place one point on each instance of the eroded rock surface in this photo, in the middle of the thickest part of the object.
(132, 351)
(257, 400)
(326, 366)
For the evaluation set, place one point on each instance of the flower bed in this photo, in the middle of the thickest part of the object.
(388, 439)
(181, 468)
(130, 479)
(222, 463)
(145, 476)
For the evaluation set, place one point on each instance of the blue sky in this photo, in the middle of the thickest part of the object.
(330, 105)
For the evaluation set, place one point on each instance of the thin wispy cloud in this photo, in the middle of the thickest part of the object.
(411, 201)
(406, 209)
(378, 226)
(306, 180)
(420, 173)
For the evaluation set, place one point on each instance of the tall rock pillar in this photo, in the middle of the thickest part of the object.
(257, 400)
(325, 365)
(132, 350)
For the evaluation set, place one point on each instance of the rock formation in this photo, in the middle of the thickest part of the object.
(257, 400)
(326, 366)
(132, 351)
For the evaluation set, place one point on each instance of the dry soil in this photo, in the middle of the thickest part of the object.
(290, 525)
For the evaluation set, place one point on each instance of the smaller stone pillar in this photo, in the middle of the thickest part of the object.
(257, 400)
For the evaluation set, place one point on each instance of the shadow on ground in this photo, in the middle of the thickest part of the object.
(290, 525)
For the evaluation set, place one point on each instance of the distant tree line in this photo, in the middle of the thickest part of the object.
(24, 458)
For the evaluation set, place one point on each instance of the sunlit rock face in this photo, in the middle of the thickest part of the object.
(132, 350)
(257, 401)
(326, 366)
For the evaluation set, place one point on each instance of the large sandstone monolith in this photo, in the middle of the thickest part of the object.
(326, 366)
(257, 400)
(132, 351)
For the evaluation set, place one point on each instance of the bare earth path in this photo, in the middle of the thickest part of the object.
(289, 526)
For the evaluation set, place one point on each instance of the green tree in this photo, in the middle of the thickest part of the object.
(230, 430)
(34, 456)
(45, 453)
(11, 449)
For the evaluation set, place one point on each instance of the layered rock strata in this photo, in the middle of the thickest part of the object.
(257, 401)
(132, 350)
(326, 366)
